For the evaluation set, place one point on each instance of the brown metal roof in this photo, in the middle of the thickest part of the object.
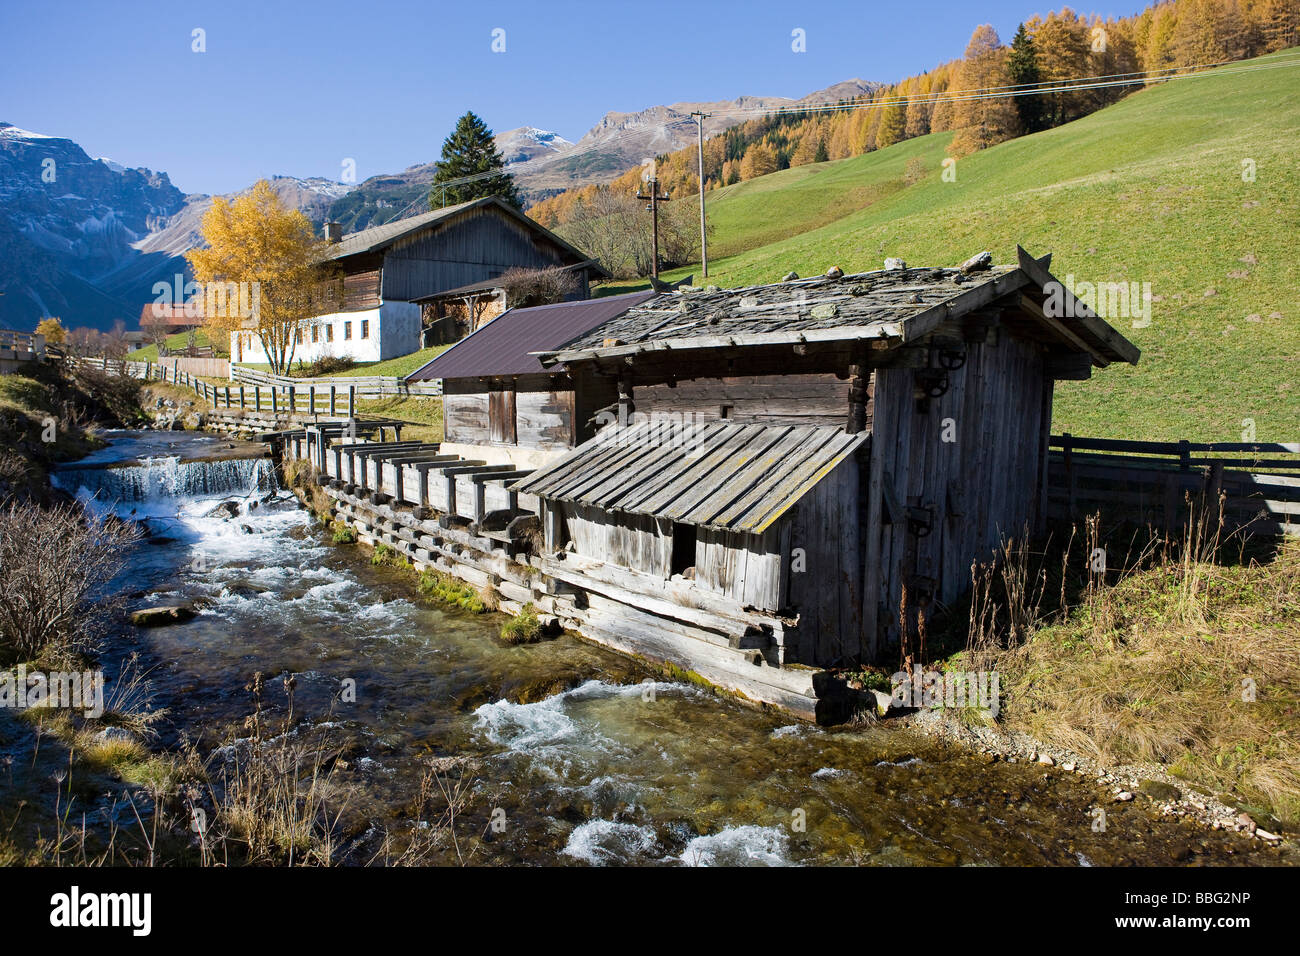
(721, 475)
(503, 346)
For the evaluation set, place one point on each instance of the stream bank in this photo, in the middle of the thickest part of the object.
(558, 752)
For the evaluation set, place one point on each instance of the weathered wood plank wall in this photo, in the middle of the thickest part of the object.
(971, 468)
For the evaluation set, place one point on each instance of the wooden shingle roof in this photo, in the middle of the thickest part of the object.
(897, 306)
(720, 475)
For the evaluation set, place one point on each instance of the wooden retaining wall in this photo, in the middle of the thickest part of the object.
(440, 521)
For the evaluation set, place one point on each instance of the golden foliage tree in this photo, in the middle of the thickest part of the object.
(757, 161)
(983, 121)
(261, 257)
(53, 330)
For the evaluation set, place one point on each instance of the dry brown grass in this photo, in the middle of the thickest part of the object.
(1182, 660)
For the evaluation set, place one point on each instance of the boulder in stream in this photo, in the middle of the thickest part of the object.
(227, 509)
(162, 616)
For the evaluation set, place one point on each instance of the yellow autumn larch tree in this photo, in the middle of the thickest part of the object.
(256, 240)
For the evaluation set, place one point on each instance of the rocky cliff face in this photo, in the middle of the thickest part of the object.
(85, 239)
(67, 223)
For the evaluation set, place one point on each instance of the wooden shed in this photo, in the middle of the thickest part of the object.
(796, 456)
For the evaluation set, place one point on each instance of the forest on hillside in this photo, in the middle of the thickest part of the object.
(1061, 54)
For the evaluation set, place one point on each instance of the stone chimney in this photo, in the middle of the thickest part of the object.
(333, 231)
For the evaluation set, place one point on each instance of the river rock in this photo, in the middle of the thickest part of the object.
(1157, 790)
(227, 509)
(884, 702)
(162, 616)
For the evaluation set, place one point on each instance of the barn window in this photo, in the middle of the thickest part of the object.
(683, 547)
(315, 334)
(365, 328)
(501, 415)
(329, 333)
(347, 330)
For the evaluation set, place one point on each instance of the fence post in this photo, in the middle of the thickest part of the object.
(227, 396)
(241, 396)
(352, 401)
(311, 399)
(1067, 447)
(293, 400)
(1184, 455)
(333, 401)
(275, 405)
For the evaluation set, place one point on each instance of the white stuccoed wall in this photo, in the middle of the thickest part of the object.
(394, 330)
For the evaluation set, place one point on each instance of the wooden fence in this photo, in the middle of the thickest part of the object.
(1155, 483)
(368, 386)
(302, 396)
(205, 367)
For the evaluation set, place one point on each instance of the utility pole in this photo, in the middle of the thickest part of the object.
(704, 239)
(655, 199)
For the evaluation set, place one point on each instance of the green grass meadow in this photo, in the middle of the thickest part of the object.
(1157, 188)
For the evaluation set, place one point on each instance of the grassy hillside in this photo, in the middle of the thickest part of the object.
(176, 344)
(1148, 190)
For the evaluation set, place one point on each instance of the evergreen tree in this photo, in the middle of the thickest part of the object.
(821, 155)
(1022, 65)
(468, 151)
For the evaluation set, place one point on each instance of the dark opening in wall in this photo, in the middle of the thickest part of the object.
(683, 547)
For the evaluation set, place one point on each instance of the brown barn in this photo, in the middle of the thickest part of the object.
(788, 459)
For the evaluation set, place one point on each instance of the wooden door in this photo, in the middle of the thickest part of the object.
(501, 415)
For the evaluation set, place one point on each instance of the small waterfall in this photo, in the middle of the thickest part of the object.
(153, 478)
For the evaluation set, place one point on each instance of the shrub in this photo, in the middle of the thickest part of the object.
(329, 365)
(343, 534)
(51, 560)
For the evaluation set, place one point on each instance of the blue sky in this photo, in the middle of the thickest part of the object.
(295, 88)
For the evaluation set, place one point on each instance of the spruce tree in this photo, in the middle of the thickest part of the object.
(468, 151)
(1022, 65)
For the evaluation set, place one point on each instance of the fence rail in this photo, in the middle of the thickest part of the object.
(1158, 483)
(368, 386)
(303, 396)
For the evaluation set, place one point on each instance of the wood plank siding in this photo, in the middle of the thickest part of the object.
(480, 244)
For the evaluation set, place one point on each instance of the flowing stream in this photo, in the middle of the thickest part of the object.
(582, 763)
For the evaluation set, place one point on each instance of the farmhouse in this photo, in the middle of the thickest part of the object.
(501, 404)
(385, 271)
(810, 455)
